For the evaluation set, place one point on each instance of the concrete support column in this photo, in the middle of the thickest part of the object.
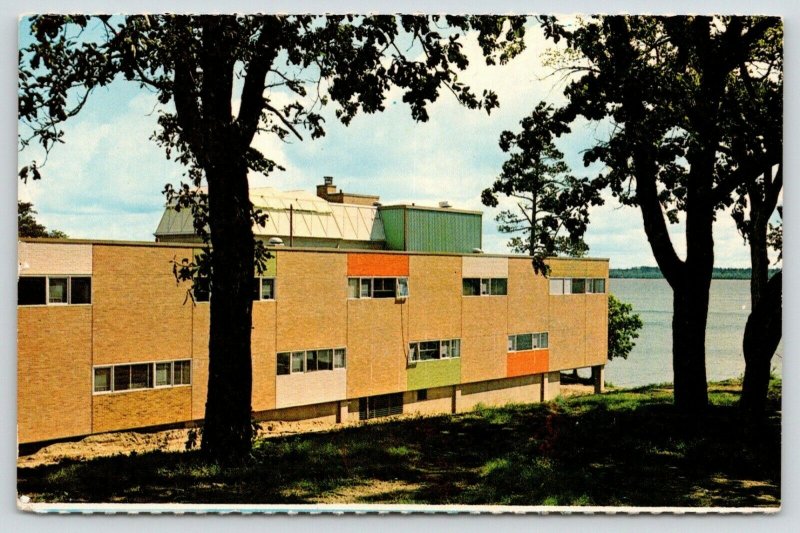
(551, 385)
(456, 398)
(341, 412)
(543, 390)
(598, 376)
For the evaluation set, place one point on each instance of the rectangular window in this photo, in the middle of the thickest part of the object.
(599, 286)
(402, 287)
(80, 290)
(499, 287)
(471, 286)
(57, 290)
(384, 287)
(512, 343)
(126, 377)
(455, 348)
(544, 341)
(311, 361)
(102, 379)
(284, 363)
(353, 290)
(163, 374)
(267, 288)
(366, 288)
(578, 285)
(525, 342)
(183, 373)
(298, 362)
(339, 358)
(556, 286)
(433, 350)
(324, 359)
(485, 287)
(422, 395)
(428, 350)
(32, 290)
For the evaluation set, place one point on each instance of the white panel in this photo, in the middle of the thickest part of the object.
(310, 388)
(44, 258)
(484, 267)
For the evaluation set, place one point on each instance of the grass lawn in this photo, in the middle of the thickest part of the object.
(626, 447)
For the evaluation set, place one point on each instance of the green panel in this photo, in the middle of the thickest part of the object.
(393, 227)
(272, 266)
(443, 231)
(428, 374)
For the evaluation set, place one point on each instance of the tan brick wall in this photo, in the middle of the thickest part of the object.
(528, 298)
(484, 343)
(141, 408)
(139, 310)
(524, 389)
(263, 352)
(54, 372)
(575, 268)
(311, 300)
(596, 329)
(377, 344)
(567, 331)
(434, 301)
(200, 324)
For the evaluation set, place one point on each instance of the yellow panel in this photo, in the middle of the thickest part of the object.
(528, 299)
(484, 267)
(434, 301)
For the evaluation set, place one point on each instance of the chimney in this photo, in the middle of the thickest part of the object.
(327, 189)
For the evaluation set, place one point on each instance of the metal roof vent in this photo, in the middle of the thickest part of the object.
(477, 251)
(275, 241)
(445, 204)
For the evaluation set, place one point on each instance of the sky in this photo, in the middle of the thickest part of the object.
(105, 181)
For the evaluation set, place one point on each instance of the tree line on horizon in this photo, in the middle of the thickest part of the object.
(648, 272)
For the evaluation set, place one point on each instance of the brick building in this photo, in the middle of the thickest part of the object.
(107, 340)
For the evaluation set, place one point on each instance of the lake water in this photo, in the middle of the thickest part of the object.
(651, 359)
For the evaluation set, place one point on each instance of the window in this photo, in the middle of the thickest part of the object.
(263, 289)
(384, 287)
(434, 350)
(380, 406)
(597, 286)
(284, 363)
(471, 286)
(339, 358)
(127, 377)
(102, 379)
(32, 291)
(377, 287)
(578, 285)
(527, 341)
(163, 374)
(484, 286)
(311, 361)
(54, 290)
(422, 395)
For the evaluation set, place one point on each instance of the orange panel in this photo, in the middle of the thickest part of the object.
(528, 362)
(377, 265)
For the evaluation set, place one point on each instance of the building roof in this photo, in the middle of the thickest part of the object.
(312, 217)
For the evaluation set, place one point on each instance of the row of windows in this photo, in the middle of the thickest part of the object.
(577, 285)
(119, 378)
(527, 341)
(377, 287)
(311, 360)
(484, 286)
(263, 289)
(54, 290)
(433, 350)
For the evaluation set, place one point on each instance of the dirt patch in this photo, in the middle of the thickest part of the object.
(174, 440)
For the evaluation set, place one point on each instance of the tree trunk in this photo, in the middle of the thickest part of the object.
(761, 337)
(227, 433)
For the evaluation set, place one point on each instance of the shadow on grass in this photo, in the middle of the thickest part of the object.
(622, 448)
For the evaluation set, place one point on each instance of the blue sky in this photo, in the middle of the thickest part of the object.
(105, 182)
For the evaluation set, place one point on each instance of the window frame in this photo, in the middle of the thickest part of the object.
(152, 371)
(260, 293)
(536, 341)
(67, 289)
(482, 286)
(295, 354)
(357, 283)
(414, 354)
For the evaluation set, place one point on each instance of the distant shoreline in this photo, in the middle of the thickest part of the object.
(644, 272)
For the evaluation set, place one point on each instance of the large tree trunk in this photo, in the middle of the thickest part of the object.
(690, 311)
(761, 337)
(227, 433)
